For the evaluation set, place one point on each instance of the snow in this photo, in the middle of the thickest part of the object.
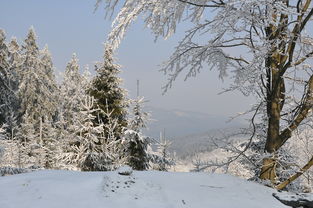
(69, 189)
(294, 196)
(125, 170)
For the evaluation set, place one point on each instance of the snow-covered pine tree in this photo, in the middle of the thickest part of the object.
(62, 135)
(162, 157)
(27, 143)
(139, 116)
(50, 145)
(29, 79)
(37, 92)
(86, 147)
(106, 89)
(71, 92)
(113, 149)
(15, 61)
(90, 135)
(37, 84)
(5, 89)
(8, 84)
(48, 80)
(70, 118)
(136, 143)
(4, 65)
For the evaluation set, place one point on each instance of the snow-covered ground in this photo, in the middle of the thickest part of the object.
(148, 189)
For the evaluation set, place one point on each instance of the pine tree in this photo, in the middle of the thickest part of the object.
(70, 118)
(91, 137)
(85, 143)
(37, 92)
(4, 77)
(72, 91)
(137, 143)
(106, 89)
(15, 60)
(48, 82)
(27, 142)
(163, 160)
(140, 117)
(4, 52)
(50, 145)
(30, 85)
(37, 87)
(8, 83)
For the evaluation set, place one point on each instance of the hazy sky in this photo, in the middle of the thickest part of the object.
(69, 26)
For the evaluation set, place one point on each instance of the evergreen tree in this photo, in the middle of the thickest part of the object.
(91, 137)
(37, 86)
(106, 89)
(9, 62)
(70, 118)
(136, 150)
(4, 65)
(85, 144)
(50, 145)
(4, 78)
(15, 60)
(30, 83)
(140, 117)
(28, 140)
(162, 157)
(37, 92)
(49, 88)
(72, 91)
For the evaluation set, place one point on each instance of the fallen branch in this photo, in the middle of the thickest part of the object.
(296, 175)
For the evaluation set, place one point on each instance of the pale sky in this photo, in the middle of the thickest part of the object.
(69, 26)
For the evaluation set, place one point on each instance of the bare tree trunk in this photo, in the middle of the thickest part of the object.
(268, 171)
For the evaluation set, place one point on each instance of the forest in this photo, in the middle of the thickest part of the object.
(81, 123)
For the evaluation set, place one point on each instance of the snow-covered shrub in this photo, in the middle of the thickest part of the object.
(135, 145)
(12, 171)
(161, 159)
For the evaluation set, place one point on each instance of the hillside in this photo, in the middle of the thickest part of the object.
(67, 189)
(179, 123)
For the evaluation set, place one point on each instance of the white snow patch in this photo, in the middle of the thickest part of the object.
(69, 189)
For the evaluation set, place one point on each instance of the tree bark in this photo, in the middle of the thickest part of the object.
(268, 170)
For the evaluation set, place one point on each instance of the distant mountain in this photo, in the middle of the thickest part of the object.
(188, 131)
(188, 145)
(179, 123)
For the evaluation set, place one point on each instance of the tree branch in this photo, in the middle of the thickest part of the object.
(302, 113)
(296, 175)
(203, 5)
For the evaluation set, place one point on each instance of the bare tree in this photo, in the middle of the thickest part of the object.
(265, 42)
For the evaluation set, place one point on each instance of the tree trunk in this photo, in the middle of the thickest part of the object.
(275, 102)
(268, 170)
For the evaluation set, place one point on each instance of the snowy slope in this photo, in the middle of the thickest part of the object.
(66, 189)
